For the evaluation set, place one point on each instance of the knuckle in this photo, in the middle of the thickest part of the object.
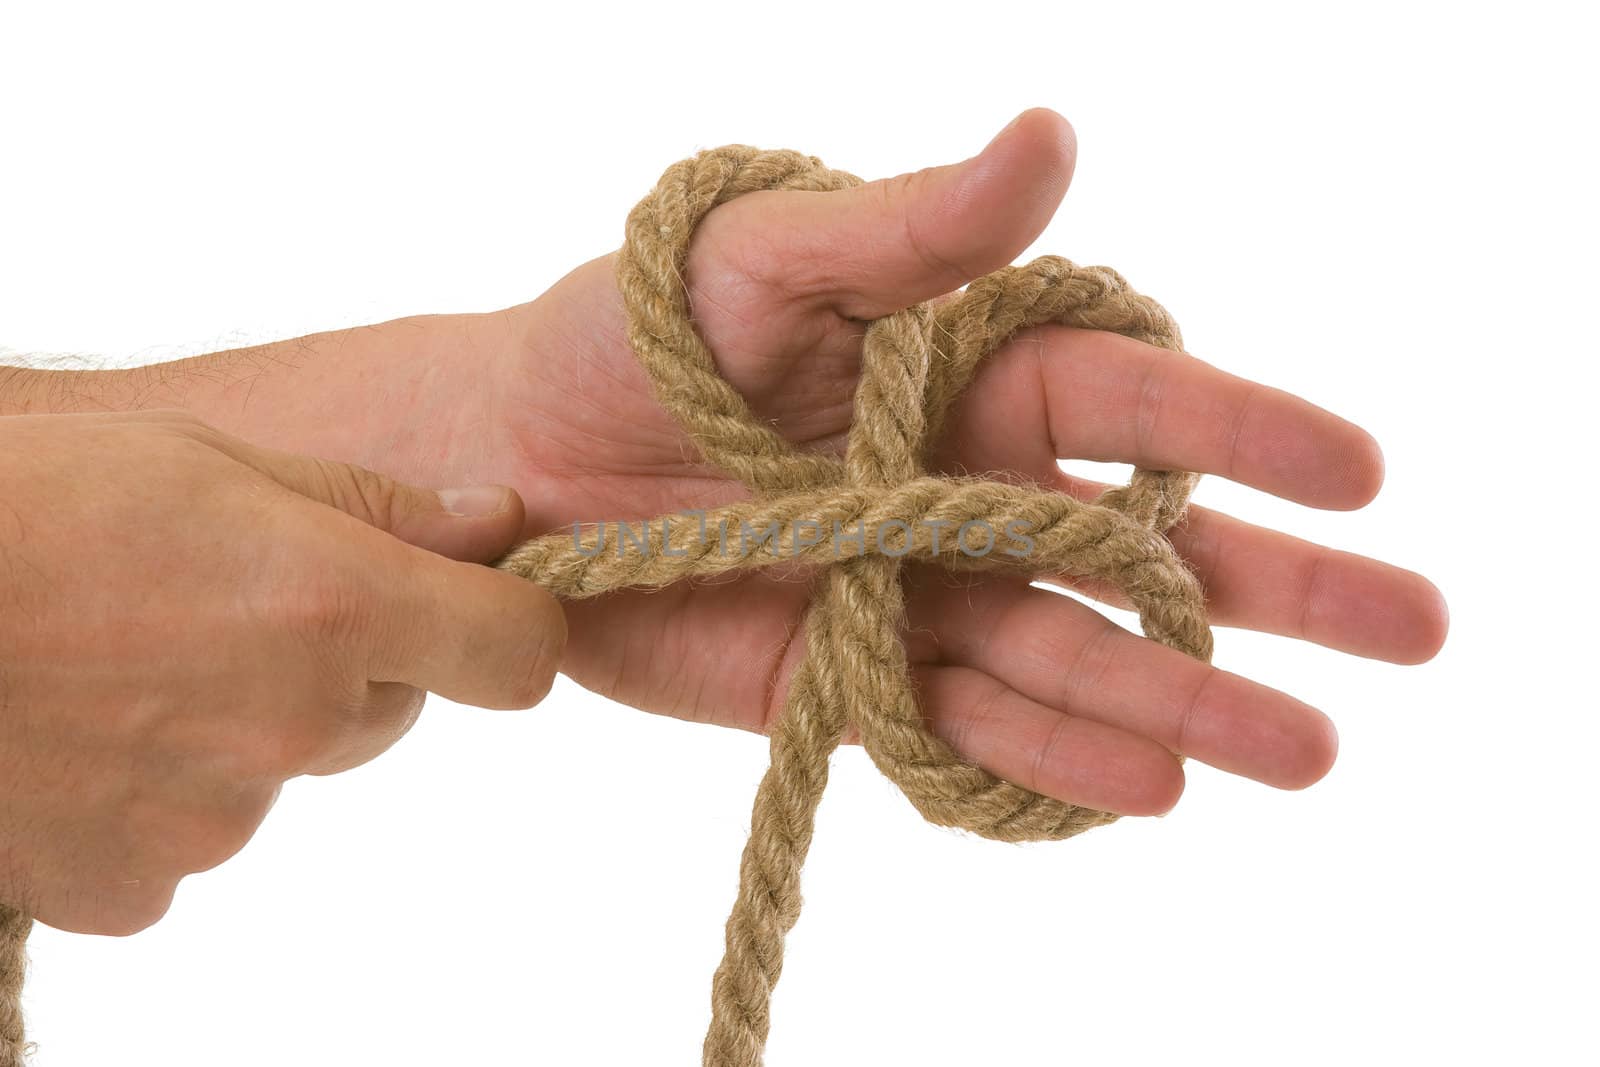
(905, 198)
(378, 494)
(531, 686)
(272, 751)
(1311, 587)
(216, 836)
(981, 717)
(1048, 757)
(1237, 428)
(357, 491)
(325, 607)
(1195, 711)
(125, 911)
(177, 837)
(387, 713)
(1090, 659)
(393, 709)
(1152, 391)
(896, 192)
(291, 748)
(371, 729)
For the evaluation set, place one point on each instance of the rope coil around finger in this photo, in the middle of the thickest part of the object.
(854, 673)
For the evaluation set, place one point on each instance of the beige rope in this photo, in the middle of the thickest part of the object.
(14, 927)
(914, 363)
(854, 673)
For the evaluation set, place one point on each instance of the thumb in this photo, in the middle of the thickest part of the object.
(883, 246)
(475, 524)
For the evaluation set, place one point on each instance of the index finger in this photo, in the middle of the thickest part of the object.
(1056, 392)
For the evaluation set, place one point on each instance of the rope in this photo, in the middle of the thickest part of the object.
(14, 927)
(914, 363)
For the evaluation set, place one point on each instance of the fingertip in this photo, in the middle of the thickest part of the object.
(472, 634)
(1246, 728)
(1429, 625)
(1042, 135)
(866, 252)
(1163, 791)
(547, 643)
(1365, 471)
(520, 654)
(1309, 752)
(1322, 460)
(958, 222)
(1011, 190)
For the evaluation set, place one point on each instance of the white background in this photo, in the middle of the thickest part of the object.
(1389, 210)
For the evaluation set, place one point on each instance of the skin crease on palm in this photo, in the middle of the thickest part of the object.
(1039, 688)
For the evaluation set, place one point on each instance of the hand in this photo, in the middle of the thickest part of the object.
(189, 620)
(1034, 686)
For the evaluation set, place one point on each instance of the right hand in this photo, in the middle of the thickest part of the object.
(187, 621)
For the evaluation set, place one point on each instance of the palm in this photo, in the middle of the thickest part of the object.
(1037, 687)
(604, 450)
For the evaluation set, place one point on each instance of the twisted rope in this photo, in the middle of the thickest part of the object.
(14, 927)
(854, 673)
(914, 364)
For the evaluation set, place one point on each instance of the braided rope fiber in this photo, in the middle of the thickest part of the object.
(14, 927)
(854, 672)
(914, 364)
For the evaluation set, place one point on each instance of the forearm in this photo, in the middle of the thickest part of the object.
(273, 394)
(331, 395)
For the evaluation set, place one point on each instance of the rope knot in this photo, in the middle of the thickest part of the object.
(914, 363)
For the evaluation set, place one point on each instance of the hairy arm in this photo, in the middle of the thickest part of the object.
(330, 394)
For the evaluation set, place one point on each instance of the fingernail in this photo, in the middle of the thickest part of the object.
(475, 501)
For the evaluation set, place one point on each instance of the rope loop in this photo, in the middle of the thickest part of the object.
(915, 362)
